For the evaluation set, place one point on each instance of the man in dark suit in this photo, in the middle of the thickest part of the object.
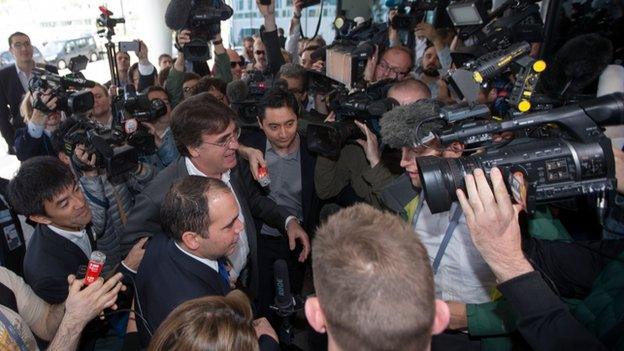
(207, 138)
(44, 189)
(13, 84)
(190, 260)
(291, 171)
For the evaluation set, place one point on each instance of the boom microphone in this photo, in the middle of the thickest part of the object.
(284, 301)
(177, 13)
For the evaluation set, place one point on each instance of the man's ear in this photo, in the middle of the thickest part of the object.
(190, 240)
(193, 151)
(456, 149)
(64, 158)
(259, 123)
(315, 314)
(442, 317)
(40, 219)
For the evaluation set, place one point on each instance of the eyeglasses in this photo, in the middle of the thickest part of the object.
(259, 52)
(227, 142)
(233, 64)
(395, 70)
(20, 46)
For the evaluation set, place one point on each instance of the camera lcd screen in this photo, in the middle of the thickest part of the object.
(464, 14)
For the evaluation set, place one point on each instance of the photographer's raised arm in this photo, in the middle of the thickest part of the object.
(275, 60)
(294, 33)
(175, 79)
(543, 319)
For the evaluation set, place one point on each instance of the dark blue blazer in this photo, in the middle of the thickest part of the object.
(168, 277)
(11, 93)
(310, 202)
(49, 259)
(27, 146)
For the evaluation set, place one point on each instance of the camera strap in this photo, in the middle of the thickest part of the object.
(447, 237)
(457, 212)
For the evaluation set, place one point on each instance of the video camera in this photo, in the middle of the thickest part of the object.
(64, 88)
(113, 154)
(366, 106)
(204, 23)
(574, 158)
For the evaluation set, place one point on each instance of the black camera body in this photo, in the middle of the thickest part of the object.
(574, 159)
(204, 22)
(366, 106)
(69, 100)
(112, 153)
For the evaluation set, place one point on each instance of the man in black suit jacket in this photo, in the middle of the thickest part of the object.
(207, 138)
(201, 215)
(291, 171)
(13, 84)
(45, 190)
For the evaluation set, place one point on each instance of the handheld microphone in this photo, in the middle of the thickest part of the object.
(95, 266)
(284, 300)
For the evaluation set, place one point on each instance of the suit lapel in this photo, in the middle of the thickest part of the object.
(62, 244)
(208, 276)
(241, 195)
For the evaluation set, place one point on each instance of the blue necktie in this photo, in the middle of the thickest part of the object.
(223, 272)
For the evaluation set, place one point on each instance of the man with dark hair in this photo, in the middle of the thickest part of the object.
(203, 227)
(45, 190)
(164, 61)
(206, 135)
(248, 50)
(213, 86)
(290, 168)
(166, 151)
(297, 78)
(14, 84)
(373, 282)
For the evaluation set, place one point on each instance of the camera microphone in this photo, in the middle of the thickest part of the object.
(284, 300)
(236, 91)
(177, 13)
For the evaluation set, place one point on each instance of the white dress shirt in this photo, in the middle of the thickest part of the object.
(239, 257)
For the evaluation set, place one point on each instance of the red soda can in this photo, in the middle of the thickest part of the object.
(94, 268)
(263, 176)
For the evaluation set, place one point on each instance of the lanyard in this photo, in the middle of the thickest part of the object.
(457, 212)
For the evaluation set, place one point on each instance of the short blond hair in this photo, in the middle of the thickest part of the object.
(373, 280)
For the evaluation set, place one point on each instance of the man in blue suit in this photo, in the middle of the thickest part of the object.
(190, 261)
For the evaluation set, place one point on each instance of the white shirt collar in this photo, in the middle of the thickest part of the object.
(192, 170)
(20, 71)
(64, 232)
(210, 263)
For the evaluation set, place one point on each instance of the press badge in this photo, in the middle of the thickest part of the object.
(10, 232)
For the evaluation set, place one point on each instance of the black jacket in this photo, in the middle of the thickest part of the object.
(26, 146)
(11, 94)
(310, 202)
(49, 259)
(168, 277)
(144, 218)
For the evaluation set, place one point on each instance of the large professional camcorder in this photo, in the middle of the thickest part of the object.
(203, 18)
(366, 106)
(69, 99)
(562, 153)
(113, 154)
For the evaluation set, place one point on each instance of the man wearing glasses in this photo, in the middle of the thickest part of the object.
(207, 138)
(237, 63)
(14, 84)
(395, 63)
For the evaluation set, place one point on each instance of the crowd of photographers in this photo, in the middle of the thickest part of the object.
(217, 194)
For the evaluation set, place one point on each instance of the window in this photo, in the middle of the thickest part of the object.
(240, 5)
(249, 4)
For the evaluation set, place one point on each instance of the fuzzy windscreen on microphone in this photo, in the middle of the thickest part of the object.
(398, 126)
(577, 63)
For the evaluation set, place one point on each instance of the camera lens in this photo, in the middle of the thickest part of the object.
(440, 177)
